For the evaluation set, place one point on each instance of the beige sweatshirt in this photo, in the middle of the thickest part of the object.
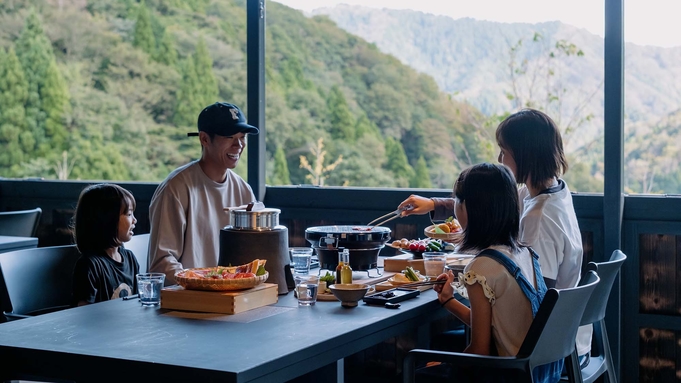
(186, 215)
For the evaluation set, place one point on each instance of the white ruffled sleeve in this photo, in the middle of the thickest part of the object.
(471, 277)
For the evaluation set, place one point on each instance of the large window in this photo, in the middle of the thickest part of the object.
(652, 83)
(108, 89)
(403, 98)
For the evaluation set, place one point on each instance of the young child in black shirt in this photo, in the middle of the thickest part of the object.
(103, 221)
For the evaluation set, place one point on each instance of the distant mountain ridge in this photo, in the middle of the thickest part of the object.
(469, 58)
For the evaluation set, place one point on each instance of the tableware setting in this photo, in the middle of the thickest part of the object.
(149, 288)
(400, 279)
(307, 289)
(434, 263)
(301, 258)
(416, 247)
(449, 230)
(223, 278)
(349, 294)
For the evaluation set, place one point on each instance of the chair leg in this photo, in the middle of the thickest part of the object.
(572, 367)
(408, 368)
(610, 373)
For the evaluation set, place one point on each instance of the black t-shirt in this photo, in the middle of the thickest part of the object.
(98, 278)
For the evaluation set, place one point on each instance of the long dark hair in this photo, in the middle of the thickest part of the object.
(95, 223)
(536, 145)
(491, 197)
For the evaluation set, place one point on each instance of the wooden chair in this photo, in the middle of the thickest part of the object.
(36, 281)
(600, 362)
(139, 245)
(23, 223)
(551, 337)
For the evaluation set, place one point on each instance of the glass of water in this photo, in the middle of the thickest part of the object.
(149, 288)
(306, 289)
(300, 259)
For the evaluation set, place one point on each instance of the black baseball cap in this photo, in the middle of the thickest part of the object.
(223, 119)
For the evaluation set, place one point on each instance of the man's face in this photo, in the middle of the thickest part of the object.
(223, 151)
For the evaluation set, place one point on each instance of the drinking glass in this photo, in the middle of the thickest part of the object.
(306, 289)
(300, 259)
(149, 288)
(434, 263)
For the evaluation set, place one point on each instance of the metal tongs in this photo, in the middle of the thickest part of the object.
(392, 215)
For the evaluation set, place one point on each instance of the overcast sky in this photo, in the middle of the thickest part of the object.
(647, 22)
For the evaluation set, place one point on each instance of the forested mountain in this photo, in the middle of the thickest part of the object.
(108, 89)
(499, 67)
(471, 57)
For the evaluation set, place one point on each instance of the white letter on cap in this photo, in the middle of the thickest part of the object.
(235, 114)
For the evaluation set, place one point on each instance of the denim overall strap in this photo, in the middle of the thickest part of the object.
(541, 284)
(534, 296)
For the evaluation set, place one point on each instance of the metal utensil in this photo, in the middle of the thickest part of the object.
(423, 283)
(392, 215)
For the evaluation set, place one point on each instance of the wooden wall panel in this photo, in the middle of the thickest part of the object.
(657, 285)
(658, 358)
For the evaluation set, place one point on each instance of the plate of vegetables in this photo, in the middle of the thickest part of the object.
(417, 247)
(408, 275)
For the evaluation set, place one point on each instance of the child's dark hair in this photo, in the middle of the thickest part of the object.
(535, 142)
(491, 197)
(95, 223)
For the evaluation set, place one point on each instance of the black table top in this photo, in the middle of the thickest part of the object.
(11, 243)
(113, 339)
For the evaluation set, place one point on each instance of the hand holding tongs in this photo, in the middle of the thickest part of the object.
(395, 214)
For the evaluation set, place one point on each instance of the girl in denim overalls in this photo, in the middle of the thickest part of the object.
(503, 282)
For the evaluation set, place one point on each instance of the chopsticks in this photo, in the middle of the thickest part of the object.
(424, 283)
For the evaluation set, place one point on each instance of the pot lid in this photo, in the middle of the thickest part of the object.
(349, 232)
(264, 211)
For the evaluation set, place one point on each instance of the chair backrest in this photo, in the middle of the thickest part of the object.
(22, 223)
(36, 281)
(607, 271)
(139, 245)
(553, 331)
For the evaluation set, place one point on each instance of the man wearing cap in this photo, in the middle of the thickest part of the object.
(186, 211)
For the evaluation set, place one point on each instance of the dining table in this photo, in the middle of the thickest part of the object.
(11, 243)
(120, 340)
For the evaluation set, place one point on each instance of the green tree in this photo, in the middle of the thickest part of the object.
(55, 97)
(189, 102)
(397, 162)
(144, 34)
(207, 83)
(35, 54)
(364, 126)
(166, 52)
(281, 174)
(421, 177)
(13, 95)
(340, 117)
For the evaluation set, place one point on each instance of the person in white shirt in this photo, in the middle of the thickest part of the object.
(532, 147)
(187, 209)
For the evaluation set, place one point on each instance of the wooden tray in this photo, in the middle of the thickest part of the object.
(223, 302)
